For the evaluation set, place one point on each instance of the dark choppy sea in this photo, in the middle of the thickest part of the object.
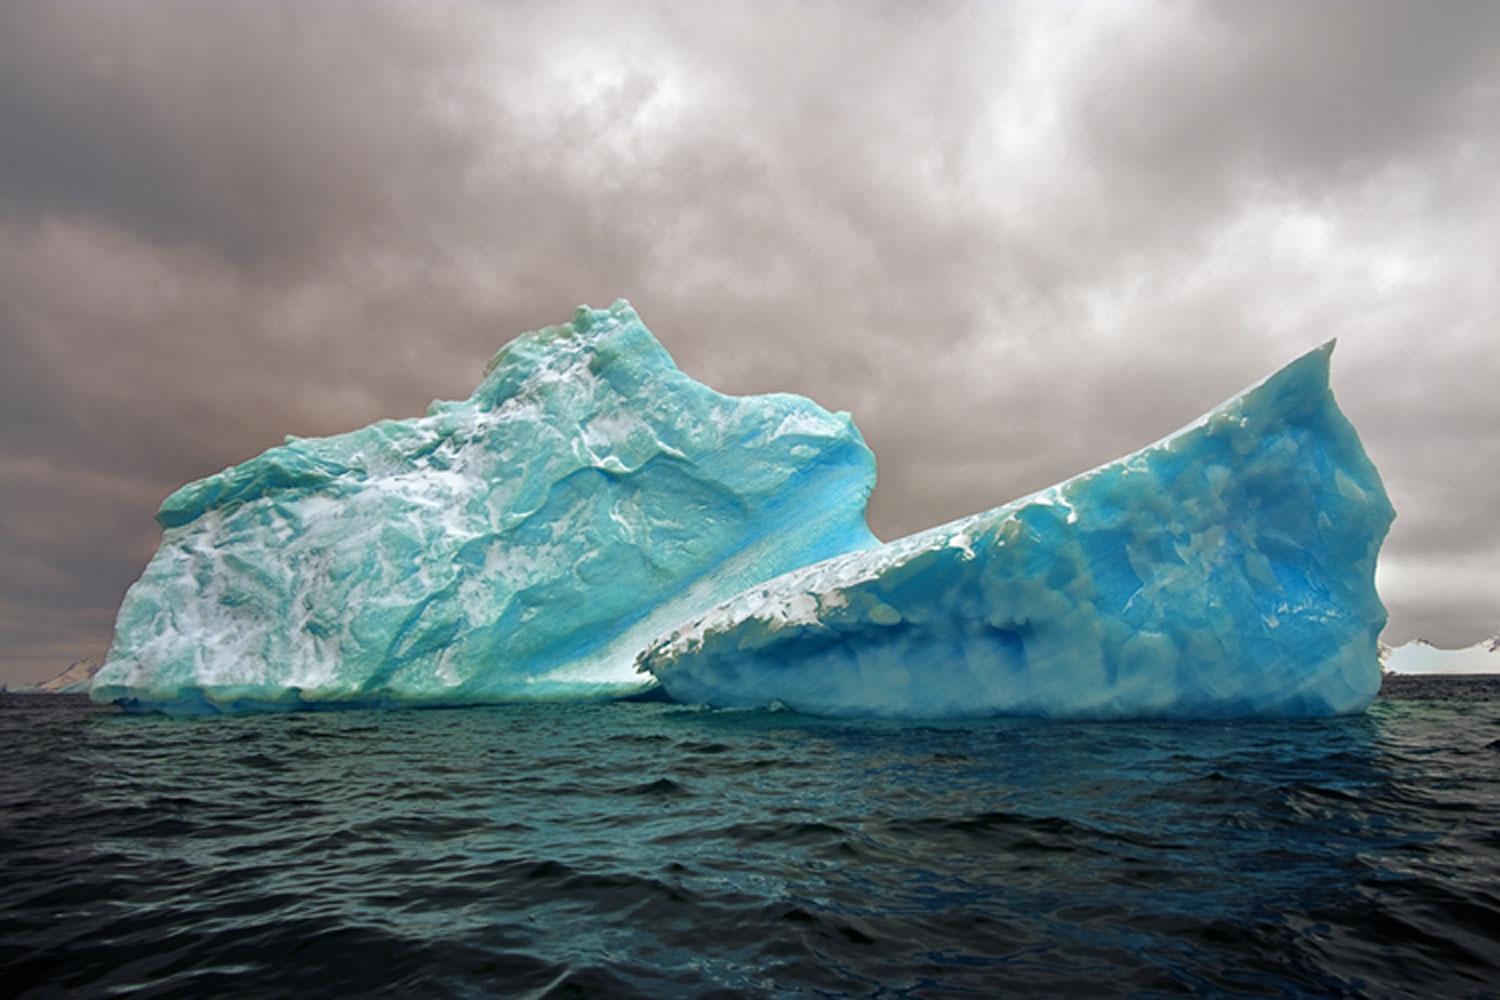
(650, 849)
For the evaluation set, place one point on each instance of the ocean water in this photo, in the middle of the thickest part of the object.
(653, 849)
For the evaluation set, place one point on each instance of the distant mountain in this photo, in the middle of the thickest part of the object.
(1421, 657)
(74, 680)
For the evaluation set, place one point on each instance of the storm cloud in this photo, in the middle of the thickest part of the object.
(1015, 240)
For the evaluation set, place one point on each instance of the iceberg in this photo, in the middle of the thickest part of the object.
(1224, 571)
(524, 543)
(1422, 657)
(74, 680)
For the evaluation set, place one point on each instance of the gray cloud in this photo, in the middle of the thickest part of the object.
(1014, 240)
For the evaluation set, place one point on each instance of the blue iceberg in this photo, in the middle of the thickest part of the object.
(1225, 571)
(524, 543)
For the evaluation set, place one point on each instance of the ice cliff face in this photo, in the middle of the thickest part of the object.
(526, 542)
(1224, 571)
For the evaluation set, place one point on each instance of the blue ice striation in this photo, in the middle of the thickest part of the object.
(524, 543)
(1225, 571)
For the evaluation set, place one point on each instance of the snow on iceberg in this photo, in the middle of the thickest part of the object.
(1225, 571)
(526, 542)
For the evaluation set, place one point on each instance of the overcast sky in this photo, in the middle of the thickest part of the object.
(1014, 240)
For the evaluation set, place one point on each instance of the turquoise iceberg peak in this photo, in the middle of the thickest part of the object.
(1224, 571)
(525, 542)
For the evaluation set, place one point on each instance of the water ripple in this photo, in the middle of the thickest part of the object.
(645, 849)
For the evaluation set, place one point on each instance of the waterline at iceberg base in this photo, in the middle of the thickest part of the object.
(1225, 571)
(524, 543)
